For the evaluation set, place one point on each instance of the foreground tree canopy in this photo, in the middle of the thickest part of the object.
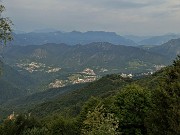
(5, 27)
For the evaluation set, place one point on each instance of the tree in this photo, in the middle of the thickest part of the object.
(62, 126)
(5, 27)
(88, 106)
(36, 131)
(133, 103)
(165, 117)
(98, 122)
(18, 124)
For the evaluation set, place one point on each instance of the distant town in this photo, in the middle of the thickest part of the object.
(87, 75)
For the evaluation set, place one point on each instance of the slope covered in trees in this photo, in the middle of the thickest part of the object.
(170, 49)
(146, 106)
(11, 87)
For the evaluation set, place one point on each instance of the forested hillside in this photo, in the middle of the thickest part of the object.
(119, 105)
(11, 87)
(40, 68)
(170, 49)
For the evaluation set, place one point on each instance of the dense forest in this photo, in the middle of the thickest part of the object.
(140, 106)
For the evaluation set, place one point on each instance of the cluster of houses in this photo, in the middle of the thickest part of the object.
(87, 75)
(126, 75)
(31, 67)
(53, 70)
(88, 71)
(57, 84)
(85, 79)
(34, 67)
(159, 67)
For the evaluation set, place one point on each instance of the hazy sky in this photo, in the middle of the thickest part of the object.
(140, 17)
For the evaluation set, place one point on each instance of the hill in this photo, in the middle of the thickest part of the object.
(137, 39)
(170, 49)
(59, 100)
(30, 100)
(11, 87)
(42, 67)
(71, 38)
(130, 106)
(158, 40)
(102, 57)
(69, 100)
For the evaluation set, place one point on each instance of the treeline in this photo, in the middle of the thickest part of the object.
(139, 108)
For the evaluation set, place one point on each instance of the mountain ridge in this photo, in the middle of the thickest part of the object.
(96, 54)
(12, 87)
(71, 38)
(170, 49)
(159, 40)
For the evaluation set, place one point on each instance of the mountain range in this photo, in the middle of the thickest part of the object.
(131, 99)
(41, 67)
(38, 67)
(68, 81)
(97, 56)
(70, 38)
(40, 37)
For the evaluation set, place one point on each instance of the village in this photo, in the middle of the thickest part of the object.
(35, 67)
(87, 75)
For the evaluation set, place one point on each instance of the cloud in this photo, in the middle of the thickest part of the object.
(118, 4)
(127, 4)
(122, 16)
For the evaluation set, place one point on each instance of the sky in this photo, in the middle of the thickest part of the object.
(137, 17)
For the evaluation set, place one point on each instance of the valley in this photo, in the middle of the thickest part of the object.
(89, 67)
(60, 79)
(59, 65)
(53, 65)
